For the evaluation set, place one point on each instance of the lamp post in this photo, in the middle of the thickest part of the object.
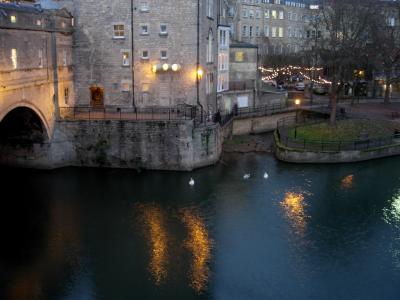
(297, 102)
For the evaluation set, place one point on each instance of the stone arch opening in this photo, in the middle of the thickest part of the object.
(22, 127)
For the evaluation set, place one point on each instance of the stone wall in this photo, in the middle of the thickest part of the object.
(157, 145)
(299, 156)
(243, 126)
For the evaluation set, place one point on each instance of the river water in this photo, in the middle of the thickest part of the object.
(306, 232)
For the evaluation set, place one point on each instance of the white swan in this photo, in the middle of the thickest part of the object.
(191, 182)
(246, 176)
(266, 175)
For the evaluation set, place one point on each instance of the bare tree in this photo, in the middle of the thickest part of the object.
(384, 37)
(342, 24)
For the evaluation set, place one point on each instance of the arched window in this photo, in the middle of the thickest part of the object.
(210, 52)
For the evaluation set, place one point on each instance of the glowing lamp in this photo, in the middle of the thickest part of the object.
(154, 68)
(297, 102)
(165, 67)
(200, 73)
(175, 67)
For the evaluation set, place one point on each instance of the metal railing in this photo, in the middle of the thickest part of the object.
(286, 125)
(134, 114)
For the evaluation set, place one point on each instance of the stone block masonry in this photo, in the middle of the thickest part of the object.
(157, 145)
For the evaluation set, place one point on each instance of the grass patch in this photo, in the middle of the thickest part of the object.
(345, 130)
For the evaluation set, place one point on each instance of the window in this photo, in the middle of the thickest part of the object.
(163, 54)
(13, 19)
(210, 57)
(64, 58)
(209, 83)
(266, 30)
(250, 31)
(280, 32)
(38, 22)
(251, 14)
(66, 95)
(223, 61)
(273, 13)
(40, 53)
(210, 8)
(144, 6)
(281, 15)
(266, 14)
(224, 38)
(163, 29)
(239, 56)
(144, 29)
(119, 31)
(273, 32)
(125, 58)
(257, 31)
(14, 58)
(258, 14)
(244, 12)
(244, 30)
(391, 21)
(145, 54)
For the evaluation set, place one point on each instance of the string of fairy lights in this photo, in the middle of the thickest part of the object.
(273, 73)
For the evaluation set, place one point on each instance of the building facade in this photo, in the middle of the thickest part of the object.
(276, 26)
(145, 53)
(35, 60)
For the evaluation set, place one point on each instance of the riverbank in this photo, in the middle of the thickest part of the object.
(250, 143)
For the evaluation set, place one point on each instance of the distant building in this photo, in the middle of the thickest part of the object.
(276, 26)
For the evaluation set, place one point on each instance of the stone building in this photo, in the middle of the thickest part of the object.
(276, 26)
(145, 53)
(35, 63)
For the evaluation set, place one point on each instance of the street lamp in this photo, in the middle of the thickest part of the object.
(297, 102)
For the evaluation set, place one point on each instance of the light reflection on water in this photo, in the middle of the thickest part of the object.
(199, 244)
(294, 208)
(154, 223)
(391, 215)
(347, 182)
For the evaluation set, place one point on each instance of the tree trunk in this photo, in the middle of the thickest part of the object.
(333, 100)
(387, 92)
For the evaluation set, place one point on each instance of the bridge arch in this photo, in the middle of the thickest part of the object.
(23, 125)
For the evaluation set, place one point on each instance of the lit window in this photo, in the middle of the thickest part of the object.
(14, 58)
(64, 57)
(280, 32)
(239, 56)
(164, 54)
(13, 19)
(281, 15)
(38, 22)
(125, 58)
(274, 15)
(273, 31)
(119, 31)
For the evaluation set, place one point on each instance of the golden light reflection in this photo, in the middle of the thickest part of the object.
(199, 244)
(293, 205)
(154, 225)
(347, 182)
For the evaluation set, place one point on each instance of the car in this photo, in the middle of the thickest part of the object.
(300, 86)
(319, 89)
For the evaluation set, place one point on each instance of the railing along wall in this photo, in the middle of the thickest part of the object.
(286, 125)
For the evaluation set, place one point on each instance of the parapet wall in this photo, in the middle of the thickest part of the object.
(158, 145)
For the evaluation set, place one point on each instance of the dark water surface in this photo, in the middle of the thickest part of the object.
(306, 232)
